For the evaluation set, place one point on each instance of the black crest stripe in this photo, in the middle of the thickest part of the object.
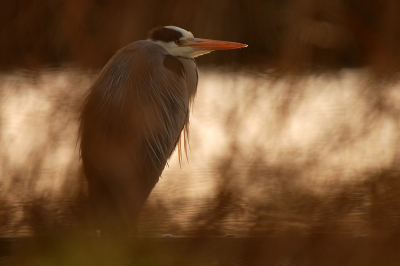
(164, 34)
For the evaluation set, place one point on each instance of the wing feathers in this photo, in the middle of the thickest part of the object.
(140, 99)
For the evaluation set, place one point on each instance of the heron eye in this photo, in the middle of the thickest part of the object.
(178, 42)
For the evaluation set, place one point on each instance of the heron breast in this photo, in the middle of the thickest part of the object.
(190, 67)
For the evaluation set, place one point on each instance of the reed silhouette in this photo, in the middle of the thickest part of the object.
(294, 139)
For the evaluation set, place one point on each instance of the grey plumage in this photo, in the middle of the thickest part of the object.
(133, 118)
(134, 107)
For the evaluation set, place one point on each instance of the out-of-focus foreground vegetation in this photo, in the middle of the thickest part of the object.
(296, 134)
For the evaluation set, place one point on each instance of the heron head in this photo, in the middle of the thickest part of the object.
(180, 42)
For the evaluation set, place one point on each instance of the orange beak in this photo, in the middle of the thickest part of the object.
(212, 45)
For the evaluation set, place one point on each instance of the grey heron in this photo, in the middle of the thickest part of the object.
(133, 118)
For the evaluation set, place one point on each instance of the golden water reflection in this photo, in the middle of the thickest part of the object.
(316, 153)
